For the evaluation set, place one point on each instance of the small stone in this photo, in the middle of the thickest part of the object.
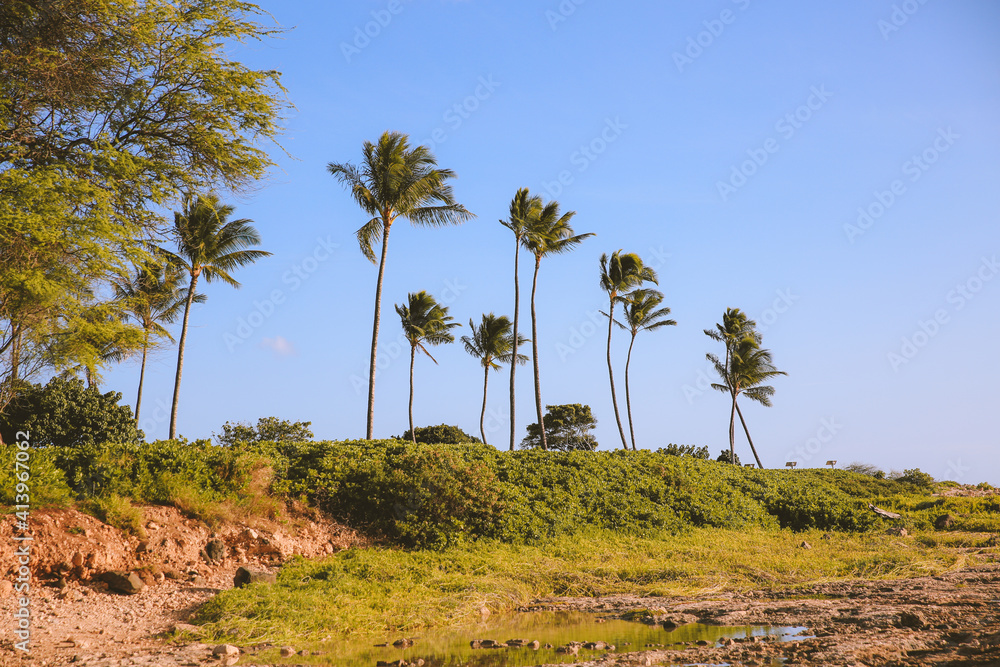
(805, 545)
(897, 531)
(216, 551)
(245, 576)
(912, 620)
(77, 559)
(403, 643)
(122, 582)
(287, 651)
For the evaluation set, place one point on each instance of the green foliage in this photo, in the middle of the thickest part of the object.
(917, 478)
(567, 428)
(440, 434)
(268, 429)
(726, 456)
(119, 512)
(46, 485)
(686, 450)
(65, 413)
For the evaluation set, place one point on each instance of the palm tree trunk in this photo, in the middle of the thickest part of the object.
(180, 357)
(611, 374)
(534, 355)
(628, 398)
(732, 432)
(142, 374)
(747, 431)
(482, 415)
(378, 313)
(513, 365)
(413, 355)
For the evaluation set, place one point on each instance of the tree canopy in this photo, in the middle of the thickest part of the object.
(567, 428)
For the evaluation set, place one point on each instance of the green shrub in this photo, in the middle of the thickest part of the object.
(442, 434)
(65, 413)
(119, 512)
(46, 484)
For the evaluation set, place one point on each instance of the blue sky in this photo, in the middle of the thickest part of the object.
(828, 168)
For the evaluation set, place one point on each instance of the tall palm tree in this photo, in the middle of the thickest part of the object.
(620, 274)
(747, 367)
(548, 233)
(492, 342)
(642, 313)
(209, 244)
(523, 209)
(424, 320)
(395, 181)
(153, 294)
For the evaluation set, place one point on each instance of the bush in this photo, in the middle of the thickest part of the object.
(865, 469)
(65, 413)
(268, 429)
(442, 434)
(917, 478)
(686, 450)
(726, 456)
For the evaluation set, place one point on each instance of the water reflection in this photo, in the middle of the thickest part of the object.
(451, 647)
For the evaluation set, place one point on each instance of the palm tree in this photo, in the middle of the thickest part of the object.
(395, 181)
(153, 294)
(523, 209)
(747, 367)
(209, 244)
(547, 233)
(424, 320)
(493, 344)
(620, 274)
(641, 314)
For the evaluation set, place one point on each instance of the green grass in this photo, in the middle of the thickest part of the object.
(379, 590)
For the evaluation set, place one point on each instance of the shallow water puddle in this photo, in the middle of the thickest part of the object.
(451, 647)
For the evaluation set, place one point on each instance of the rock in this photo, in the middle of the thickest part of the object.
(245, 576)
(142, 547)
(287, 651)
(826, 536)
(535, 645)
(227, 654)
(547, 646)
(569, 649)
(897, 531)
(152, 525)
(595, 646)
(198, 580)
(403, 643)
(6, 588)
(122, 582)
(518, 643)
(77, 559)
(805, 545)
(944, 522)
(912, 620)
(173, 574)
(216, 550)
(486, 643)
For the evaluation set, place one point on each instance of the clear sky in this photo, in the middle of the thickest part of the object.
(829, 168)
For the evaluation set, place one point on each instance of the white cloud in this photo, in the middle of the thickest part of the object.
(279, 345)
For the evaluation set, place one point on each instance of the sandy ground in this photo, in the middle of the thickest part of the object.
(953, 619)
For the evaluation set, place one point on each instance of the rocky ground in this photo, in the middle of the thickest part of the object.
(953, 619)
